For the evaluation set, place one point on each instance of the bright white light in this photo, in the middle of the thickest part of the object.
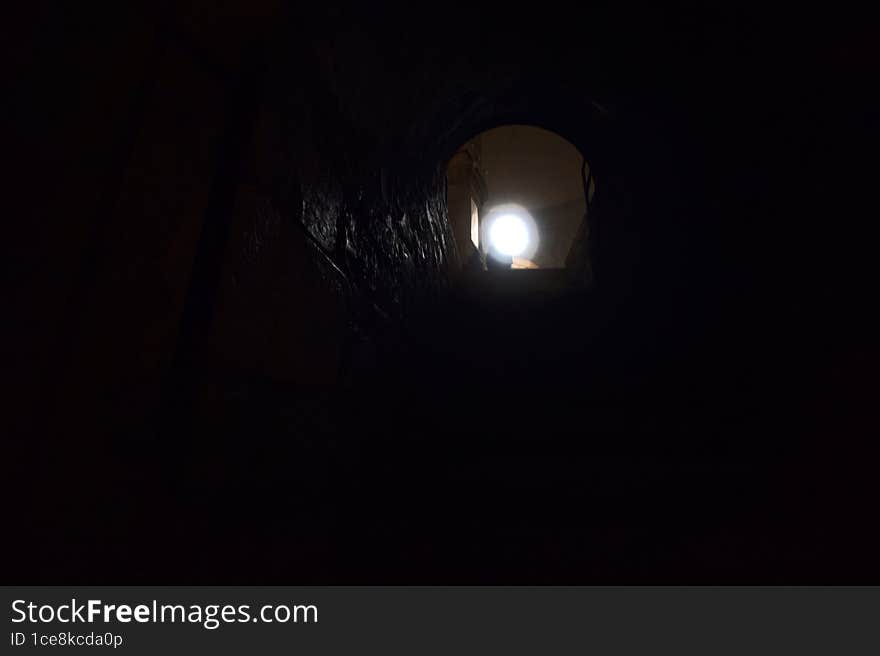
(509, 234)
(509, 230)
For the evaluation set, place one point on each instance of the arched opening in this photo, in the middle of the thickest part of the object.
(518, 198)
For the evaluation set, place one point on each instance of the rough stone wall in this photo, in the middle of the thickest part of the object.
(322, 220)
(380, 213)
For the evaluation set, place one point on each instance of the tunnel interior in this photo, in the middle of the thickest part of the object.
(538, 182)
(258, 337)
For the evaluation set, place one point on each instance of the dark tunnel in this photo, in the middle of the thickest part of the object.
(247, 341)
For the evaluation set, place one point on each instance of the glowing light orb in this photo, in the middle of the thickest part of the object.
(509, 235)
